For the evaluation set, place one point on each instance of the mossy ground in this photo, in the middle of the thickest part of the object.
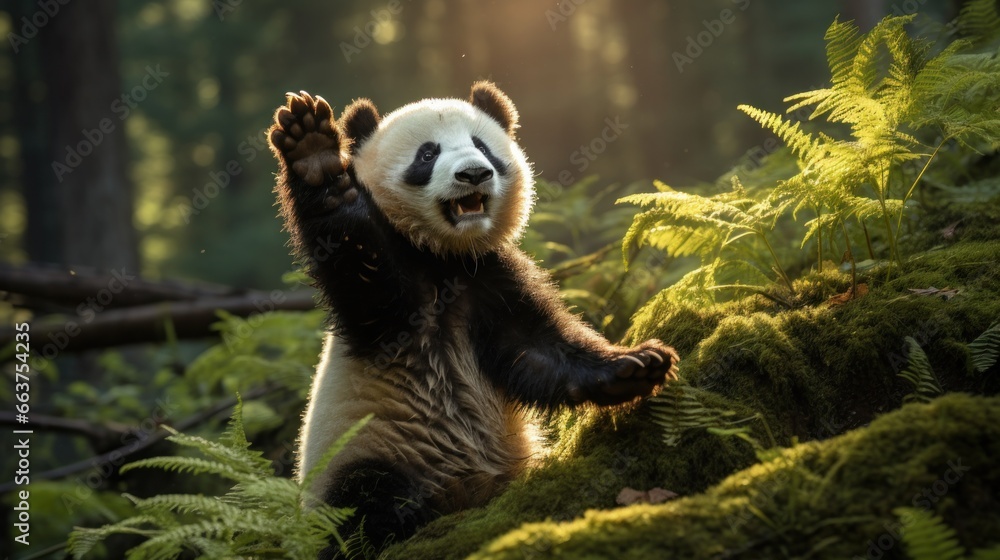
(813, 373)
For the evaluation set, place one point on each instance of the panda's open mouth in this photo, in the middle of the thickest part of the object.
(468, 207)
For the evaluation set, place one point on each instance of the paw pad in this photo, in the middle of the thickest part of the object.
(305, 135)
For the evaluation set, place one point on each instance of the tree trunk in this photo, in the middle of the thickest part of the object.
(42, 239)
(88, 151)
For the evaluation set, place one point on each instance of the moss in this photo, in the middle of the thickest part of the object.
(598, 454)
(830, 499)
(812, 372)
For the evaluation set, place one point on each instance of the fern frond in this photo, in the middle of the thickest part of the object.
(83, 539)
(678, 409)
(802, 144)
(842, 40)
(188, 465)
(261, 513)
(926, 536)
(986, 348)
(239, 459)
(979, 21)
(918, 372)
(206, 506)
(171, 543)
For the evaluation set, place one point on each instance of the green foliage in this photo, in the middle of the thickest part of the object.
(986, 348)
(262, 515)
(918, 372)
(927, 537)
(280, 346)
(711, 228)
(857, 172)
(678, 409)
(573, 231)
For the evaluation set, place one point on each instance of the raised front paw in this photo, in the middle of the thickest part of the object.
(304, 134)
(635, 373)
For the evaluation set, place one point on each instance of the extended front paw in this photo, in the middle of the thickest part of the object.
(634, 373)
(305, 136)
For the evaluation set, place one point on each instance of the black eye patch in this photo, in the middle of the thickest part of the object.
(419, 172)
(500, 166)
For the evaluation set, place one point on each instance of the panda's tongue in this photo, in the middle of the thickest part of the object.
(472, 204)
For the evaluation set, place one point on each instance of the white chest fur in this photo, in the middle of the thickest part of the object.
(435, 417)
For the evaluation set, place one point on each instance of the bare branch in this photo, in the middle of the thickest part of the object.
(147, 323)
(116, 457)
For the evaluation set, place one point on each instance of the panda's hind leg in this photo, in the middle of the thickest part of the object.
(388, 505)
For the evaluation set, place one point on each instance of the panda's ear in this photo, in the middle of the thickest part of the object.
(358, 121)
(488, 98)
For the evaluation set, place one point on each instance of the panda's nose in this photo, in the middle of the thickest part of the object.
(474, 175)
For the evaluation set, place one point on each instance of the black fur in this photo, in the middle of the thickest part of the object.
(384, 293)
(359, 121)
(496, 162)
(389, 507)
(420, 171)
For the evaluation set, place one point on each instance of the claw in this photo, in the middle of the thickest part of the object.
(298, 105)
(285, 117)
(658, 357)
(634, 359)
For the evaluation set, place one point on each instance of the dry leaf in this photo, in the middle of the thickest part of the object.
(629, 496)
(855, 293)
(949, 232)
(659, 495)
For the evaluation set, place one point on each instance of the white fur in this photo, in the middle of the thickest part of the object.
(416, 211)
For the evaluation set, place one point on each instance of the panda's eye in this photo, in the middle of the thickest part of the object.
(481, 146)
(428, 156)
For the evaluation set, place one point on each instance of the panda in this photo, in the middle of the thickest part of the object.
(441, 327)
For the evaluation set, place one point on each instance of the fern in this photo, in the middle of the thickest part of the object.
(679, 408)
(904, 101)
(918, 372)
(684, 224)
(261, 516)
(986, 348)
(979, 21)
(927, 537)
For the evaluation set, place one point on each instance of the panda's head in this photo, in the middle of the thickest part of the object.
(447, 173)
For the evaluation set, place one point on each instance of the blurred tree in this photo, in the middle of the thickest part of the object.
(87, 140)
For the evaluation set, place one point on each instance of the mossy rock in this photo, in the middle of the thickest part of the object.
(810, 373)
(830, 499)
(827, 499)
